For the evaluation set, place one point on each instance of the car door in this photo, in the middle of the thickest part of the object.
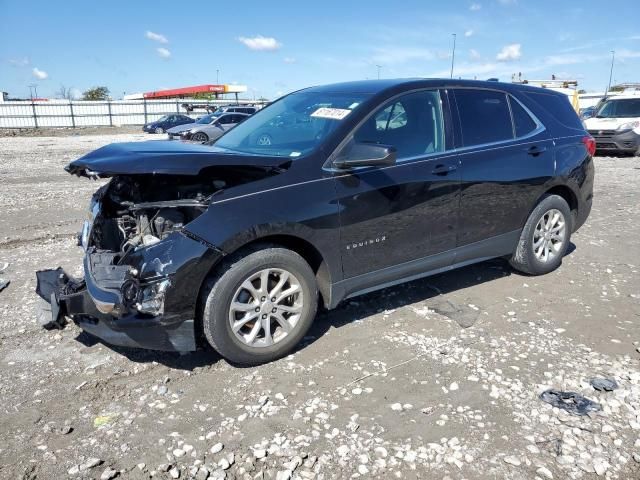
(406, 212)
(506, 157)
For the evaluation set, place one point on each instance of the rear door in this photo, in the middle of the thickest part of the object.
(506, 157)
(404, 213)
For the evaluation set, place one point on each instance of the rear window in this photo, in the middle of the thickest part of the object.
(559, 107)
(484, 116)
(522, 121)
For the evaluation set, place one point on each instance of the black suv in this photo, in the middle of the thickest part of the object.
(362, 185)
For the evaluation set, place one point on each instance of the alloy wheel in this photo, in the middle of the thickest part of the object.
(266, 307)
(549, 236)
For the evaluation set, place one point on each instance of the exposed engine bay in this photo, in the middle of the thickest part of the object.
(137, 211)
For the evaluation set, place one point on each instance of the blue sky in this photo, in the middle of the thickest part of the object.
(275, 47)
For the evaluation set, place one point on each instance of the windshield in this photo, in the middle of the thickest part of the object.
(622, 108)
(163, 118)
(292, 126)
(206, 119)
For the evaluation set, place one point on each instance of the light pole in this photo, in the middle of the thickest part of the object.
(378, 67)
(453, 53)
(217, 76)
(613, 56)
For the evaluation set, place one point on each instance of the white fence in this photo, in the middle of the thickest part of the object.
(62, 113)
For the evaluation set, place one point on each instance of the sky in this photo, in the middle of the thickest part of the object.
(275, 47)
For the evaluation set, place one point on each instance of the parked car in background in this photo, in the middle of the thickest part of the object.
(249, 110)
(236, 244)
(587, 112)
(615, 124)
(213, 130)
(166, 122)
(204, 120)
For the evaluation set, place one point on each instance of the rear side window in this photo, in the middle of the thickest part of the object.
(522, 121)
(484, 116)
(558, 106)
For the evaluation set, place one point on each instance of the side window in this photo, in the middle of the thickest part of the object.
(412, 124)
(522, 121)
(226, 119)
(484, 116)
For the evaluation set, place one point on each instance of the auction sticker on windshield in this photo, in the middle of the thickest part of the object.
(332, 113)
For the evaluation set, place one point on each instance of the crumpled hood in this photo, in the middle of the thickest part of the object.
(163, 157)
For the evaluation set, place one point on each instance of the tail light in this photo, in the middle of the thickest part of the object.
(590, 144)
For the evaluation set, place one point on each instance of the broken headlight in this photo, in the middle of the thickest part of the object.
(151, 298)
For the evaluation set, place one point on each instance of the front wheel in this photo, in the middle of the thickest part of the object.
(200, 137)
(260, 305)
(159, 130)
(545, 237)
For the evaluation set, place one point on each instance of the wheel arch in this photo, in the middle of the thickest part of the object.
(569, 196)
(309, 252)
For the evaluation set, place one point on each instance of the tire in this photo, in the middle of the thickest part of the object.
(530, 254)
(159, 130)
(227, 286)
(200, 137)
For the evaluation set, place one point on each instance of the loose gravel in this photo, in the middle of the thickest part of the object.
(439, 378)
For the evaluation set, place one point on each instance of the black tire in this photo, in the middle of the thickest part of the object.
(159, 130)
(222, 286)
(524, 258)
(200, 137)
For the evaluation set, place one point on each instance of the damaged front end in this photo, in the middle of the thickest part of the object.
(143, 269)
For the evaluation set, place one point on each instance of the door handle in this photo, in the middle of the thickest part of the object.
(443, 170)
(536, 150)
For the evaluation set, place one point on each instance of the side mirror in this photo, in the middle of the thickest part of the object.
(365, 155)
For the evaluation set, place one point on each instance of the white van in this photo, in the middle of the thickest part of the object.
(615, 124)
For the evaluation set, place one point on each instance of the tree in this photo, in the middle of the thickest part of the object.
(65, 92)
(96, 93)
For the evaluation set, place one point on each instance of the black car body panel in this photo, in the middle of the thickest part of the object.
(360, 229)
(161, 158)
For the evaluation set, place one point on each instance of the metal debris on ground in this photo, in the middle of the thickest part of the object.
(4, 283)
(604, 384)
(572, 402)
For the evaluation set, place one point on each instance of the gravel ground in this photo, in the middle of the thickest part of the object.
(439, 378)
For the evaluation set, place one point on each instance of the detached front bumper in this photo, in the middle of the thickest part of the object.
(149, 302)
(611, 140)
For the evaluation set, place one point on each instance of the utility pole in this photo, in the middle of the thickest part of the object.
(453, 53)
(32, 87)
(217, 77)
(378, 67)
(613, 56)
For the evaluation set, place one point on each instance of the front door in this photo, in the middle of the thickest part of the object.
(406, 212)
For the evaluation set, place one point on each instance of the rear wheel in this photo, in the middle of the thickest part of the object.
(200, 137)
(545, 237)
(260, 305)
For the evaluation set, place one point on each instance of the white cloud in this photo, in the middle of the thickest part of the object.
(509, 53)
(156, 37)
(163, 52)
(468, 33)
(289, 60)
(474, 54)
(39, 74)
(260, 43)
(19, 62)
(475, 7)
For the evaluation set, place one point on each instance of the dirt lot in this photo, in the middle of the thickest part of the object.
(439, 378)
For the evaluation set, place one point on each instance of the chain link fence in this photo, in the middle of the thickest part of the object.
(64, 113)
